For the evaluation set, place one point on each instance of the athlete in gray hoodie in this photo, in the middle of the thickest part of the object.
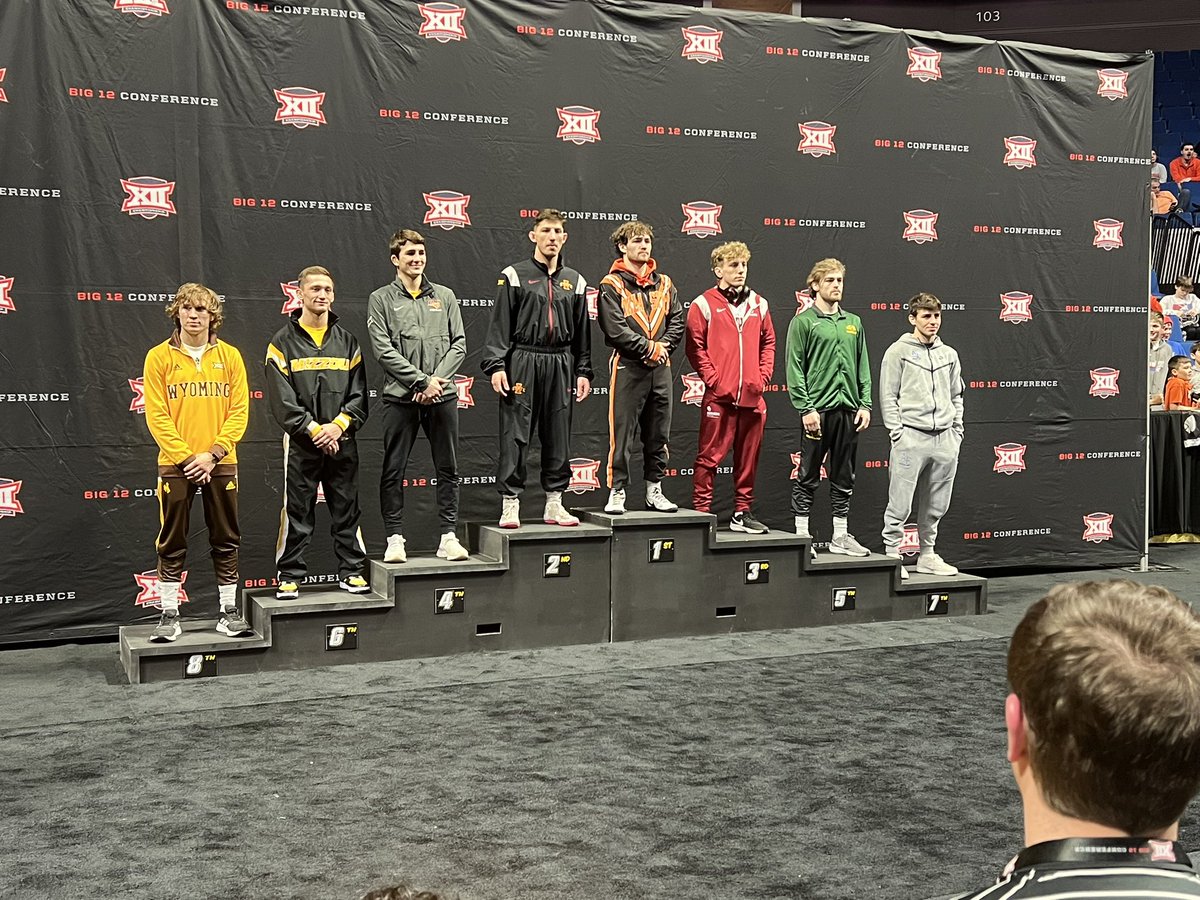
(921, 401)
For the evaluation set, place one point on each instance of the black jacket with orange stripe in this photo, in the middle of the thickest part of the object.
(638, 311)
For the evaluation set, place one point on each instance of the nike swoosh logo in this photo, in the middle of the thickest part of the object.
(534, 281)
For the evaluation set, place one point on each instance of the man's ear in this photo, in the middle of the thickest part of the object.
(1015, 726)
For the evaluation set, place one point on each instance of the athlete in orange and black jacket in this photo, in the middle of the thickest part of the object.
(643, 323)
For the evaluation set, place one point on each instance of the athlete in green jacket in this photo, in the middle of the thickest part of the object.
(829, 382)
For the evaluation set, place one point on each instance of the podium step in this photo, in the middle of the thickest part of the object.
(640, 575)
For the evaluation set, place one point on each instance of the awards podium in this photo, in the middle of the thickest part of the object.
(636, 576)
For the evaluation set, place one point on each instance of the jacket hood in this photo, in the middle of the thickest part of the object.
(620, 267)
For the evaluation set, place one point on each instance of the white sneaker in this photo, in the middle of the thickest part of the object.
(895, 554)
(616, 503)
(846, 545)
(395, 550)
(555, 513)
(655, 499)
(451, 548)
(510, 513)
(929, 563)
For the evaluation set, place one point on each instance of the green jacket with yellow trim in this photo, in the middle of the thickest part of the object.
(310, 385)
(827, 364)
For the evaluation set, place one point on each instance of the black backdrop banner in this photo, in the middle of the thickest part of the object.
(152, 142)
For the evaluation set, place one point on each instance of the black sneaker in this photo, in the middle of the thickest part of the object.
(231, 623)
(747, 524)
(167, 629)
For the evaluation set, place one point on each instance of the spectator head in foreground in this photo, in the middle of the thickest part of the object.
(1103, 720)
(402, 892)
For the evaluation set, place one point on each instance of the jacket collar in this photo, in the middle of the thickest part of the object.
(297, 313)
(542, 266)
(177, 342)
(426, 287)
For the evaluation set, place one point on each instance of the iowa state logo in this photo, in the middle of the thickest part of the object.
(1104, 382)
(1108, 234)
(1114, 84)
(1018, 152)
(291, 297)
(463, 384)
(1015, 307)
(143, 9)
(816, 139)
(442, 22)
(148, 197)
(148, 592)
(584, 475)
(1097, 527)
(693, 389)
(701, 218)
(1010, 458)
(703, 44)
(924, 64)
(919, 226)
(6, 301)
(299, 106)
(138, 403)
(579, 124)
(9, 504)
(446, 209)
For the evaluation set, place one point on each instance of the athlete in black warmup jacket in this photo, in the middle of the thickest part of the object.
(539, 357)
(318, 391)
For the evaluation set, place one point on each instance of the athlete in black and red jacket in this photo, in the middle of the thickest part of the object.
(538, 354)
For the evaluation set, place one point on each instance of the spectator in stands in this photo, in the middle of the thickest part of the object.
(1196, 371)
(1157, 169)
(1185, 167)
(1185, 306)
(1178, 393)
(1103, 727)
(1160, 354)
(1161, 202)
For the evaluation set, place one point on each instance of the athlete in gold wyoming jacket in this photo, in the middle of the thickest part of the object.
(197, 406)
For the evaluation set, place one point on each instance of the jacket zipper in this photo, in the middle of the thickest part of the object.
(550, 304)
(741, 352)
(932, 385)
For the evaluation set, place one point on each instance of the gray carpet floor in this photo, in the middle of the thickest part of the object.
(858, 761)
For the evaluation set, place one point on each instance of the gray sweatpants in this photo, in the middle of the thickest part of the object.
(928, 459)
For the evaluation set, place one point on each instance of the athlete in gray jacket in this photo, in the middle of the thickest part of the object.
(417, 335)
(921, 401)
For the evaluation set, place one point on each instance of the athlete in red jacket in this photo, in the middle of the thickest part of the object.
(731, 344)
